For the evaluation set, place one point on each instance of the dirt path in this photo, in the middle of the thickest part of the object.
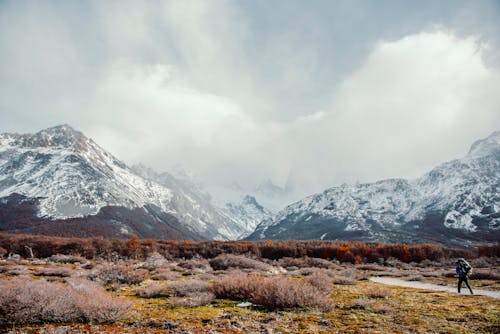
(435, 287)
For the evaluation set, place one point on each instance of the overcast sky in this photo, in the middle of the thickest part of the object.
(313, 93)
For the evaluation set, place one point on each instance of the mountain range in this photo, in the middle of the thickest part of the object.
(457, 203)
(62, 182)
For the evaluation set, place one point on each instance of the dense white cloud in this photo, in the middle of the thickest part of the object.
(415, 102)
(201, 84)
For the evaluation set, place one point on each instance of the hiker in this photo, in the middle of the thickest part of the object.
(463, 270)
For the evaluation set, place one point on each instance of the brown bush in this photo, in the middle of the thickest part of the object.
(382, 309)
(271, 292)
(353, 252)
(165, 275)
(62, 258)
(449, 274)
(52, 271)
(342, 280)
(362, 303)
(152, 290)
(186, 288)
(194, 299)
(378, 292)
(154, 261)
(490, 274)
(226, 261)
(37, 301)
(306, 262)
(122, 274)
(320, 280)
(195, 264)
(371, 267)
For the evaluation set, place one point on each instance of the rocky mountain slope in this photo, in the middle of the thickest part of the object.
(249, 213)
(66, 176)
(456, 203)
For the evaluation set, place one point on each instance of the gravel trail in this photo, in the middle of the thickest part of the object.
(435, 287)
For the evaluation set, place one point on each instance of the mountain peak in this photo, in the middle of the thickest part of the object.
(63, 136)
(486, 146)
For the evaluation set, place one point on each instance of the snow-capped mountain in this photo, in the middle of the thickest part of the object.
(192, 204)
(456, 203)
(249, 213)
(71, 177)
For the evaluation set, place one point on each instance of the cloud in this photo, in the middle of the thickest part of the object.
(239, 91)
(415, 102)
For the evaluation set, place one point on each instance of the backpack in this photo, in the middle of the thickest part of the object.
(467, 267)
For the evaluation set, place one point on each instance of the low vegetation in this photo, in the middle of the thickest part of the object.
(24, 300)
(272, 292)
(141, 286)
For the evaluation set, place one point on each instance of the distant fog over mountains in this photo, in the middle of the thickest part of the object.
(60, 182)
(456, 203)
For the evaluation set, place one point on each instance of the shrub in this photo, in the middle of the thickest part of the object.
(382, 309)
(378, 292)
(37, 301)
(305, 262)
(195, 264)
(342, 280)
(485, 274)
(271, 292)
(61, 258)
(194, 299)
(320, 280)
(151, 290)
(122, 274)
(186, 288)
(165, 275)
(226, 261)
(362, 303)
(449, 274)
(371, 267)
(154, 261)
(52, 271)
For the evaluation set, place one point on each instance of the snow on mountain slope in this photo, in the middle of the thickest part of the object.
(249, 213)
(192, 203)
(72, 173)
(457, 202)
(74, 177)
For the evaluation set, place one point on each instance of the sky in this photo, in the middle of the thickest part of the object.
(306, 94)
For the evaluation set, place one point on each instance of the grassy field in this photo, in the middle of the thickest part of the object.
(205, 296)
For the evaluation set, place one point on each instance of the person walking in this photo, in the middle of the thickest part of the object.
(463, 270)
